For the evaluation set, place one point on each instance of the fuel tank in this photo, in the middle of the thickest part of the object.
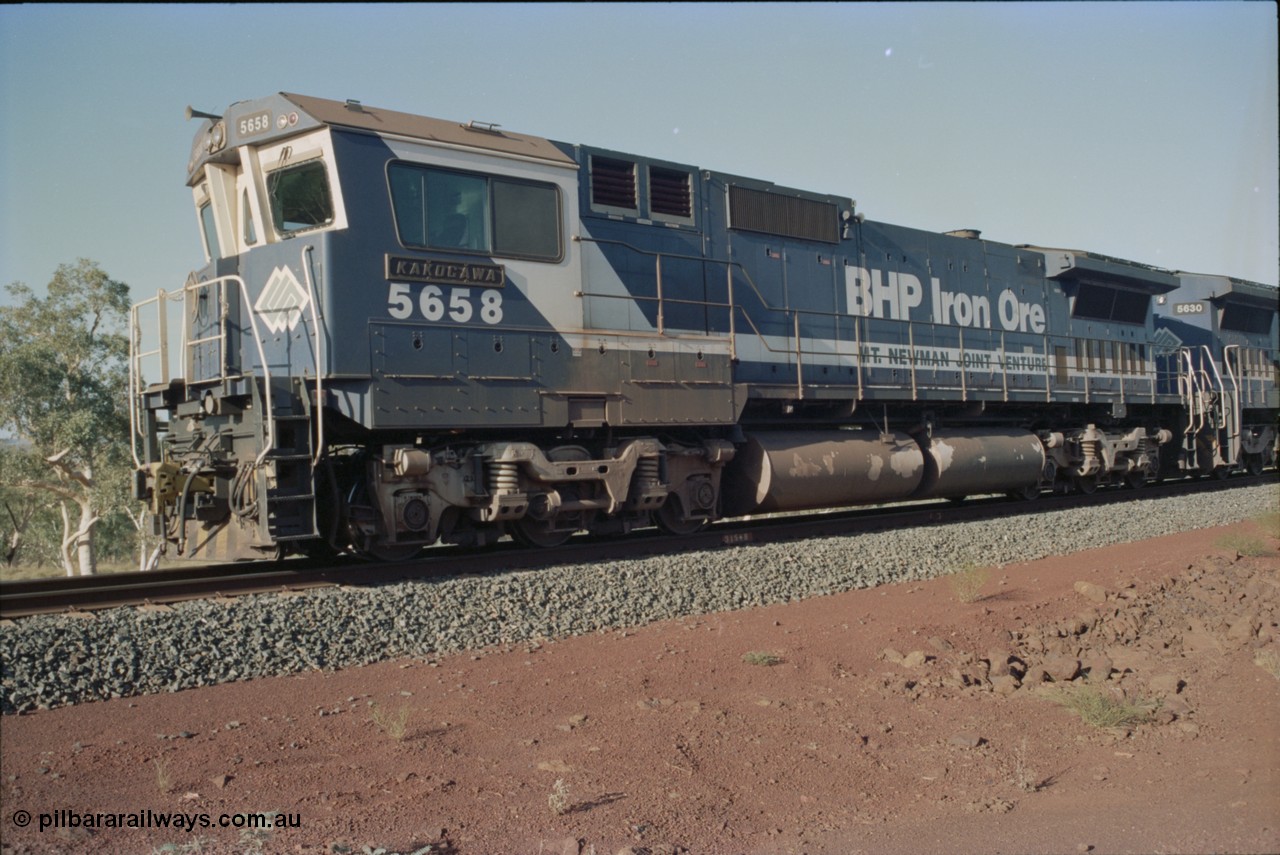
(979, 460)
(802, 470)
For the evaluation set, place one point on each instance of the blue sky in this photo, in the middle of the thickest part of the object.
(1141, 130)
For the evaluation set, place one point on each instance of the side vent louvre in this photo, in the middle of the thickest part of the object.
(613, 183)
(1101, 303)
(787, 216)
(669, 192)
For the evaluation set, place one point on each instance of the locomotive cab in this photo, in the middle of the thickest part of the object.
(345, 382)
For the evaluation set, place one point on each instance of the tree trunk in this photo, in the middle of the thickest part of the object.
(15, 543)
(77, 544)
(63, 553)
(148, 557)
(19, 528)
(84, 541)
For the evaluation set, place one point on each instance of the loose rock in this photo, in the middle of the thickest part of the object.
(55, 660)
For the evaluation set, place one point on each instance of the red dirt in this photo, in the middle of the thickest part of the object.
(665, 739)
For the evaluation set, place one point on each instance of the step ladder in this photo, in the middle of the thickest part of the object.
(286, 472)
(1211, 440)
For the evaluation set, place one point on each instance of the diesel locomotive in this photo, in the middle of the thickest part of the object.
(409, 331)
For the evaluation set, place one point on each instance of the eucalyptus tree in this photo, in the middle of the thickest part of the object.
(63, 379)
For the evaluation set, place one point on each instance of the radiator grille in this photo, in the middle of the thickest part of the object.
(613, 183)
(788, 216)
(669, 192)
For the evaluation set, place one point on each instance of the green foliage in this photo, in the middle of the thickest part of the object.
(757, 657)
(65, 361)
(63, 416)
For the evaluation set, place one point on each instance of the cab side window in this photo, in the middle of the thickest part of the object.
(465, 212)
(300, 197)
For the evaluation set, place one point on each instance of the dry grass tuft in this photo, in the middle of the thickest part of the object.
(1269, 523)
(1243, 544)
(1102, 709)
(967, 582)
(1268, 660)
(558, 801)
(392, 723)
(163, 782)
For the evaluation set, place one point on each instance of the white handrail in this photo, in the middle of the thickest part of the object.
(163, 348)
(1235, 401)
(137, 355)
(319, 352)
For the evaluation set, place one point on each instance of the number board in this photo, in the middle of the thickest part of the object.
(257, 123)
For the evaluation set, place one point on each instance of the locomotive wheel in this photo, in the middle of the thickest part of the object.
(1026, 494)
(669, 518)
(540, 533)
(535, 529)
(1135, 480)
(318, 549)
(1254, 463)
(1086, 484)
(390, 553)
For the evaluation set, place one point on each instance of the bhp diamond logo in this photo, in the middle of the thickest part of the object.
(282, 301)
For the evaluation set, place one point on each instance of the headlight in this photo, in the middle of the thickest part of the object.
(217, 137)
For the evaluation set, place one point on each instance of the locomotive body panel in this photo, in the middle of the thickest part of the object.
(1238, 321)
(410, 330)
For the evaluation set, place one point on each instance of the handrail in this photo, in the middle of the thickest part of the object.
(1235, 400)
(319, 352)
(795, 319)
(1188, 379)
(163, 348)
(1214, 365)
(790, 317)
(136, 355)
(1221, 387)
(262, 356)
(189, 345)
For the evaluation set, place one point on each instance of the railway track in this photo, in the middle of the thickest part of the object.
(89, 593)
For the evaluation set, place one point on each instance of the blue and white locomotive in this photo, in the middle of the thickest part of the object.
(411, 330)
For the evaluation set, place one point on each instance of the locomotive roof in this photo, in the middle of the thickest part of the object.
(1075, 263)
(284, 115)
(1228, 289)
(353, 114)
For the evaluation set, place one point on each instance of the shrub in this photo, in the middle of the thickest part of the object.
(393, 724)
(1100, 708)
(967, 582)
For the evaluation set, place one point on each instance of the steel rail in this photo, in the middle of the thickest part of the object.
(82, 594)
